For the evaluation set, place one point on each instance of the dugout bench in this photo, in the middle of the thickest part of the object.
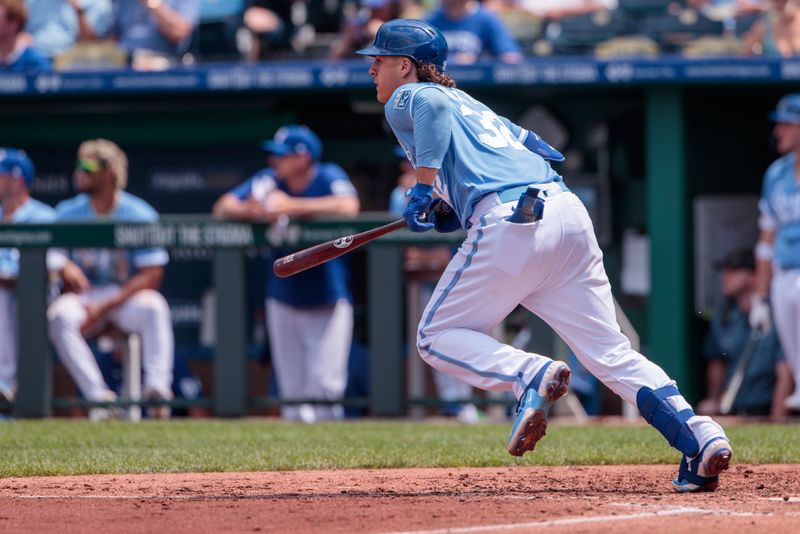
(229, 241)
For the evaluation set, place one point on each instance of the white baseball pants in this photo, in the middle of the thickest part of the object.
(310, 350)
(8, 337)
(145, 313)
(786, 313)
(554, 268)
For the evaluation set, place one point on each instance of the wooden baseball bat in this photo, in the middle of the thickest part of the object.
(313, 256)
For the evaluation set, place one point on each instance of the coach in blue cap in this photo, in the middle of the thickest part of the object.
(310, 314)
(778, 248)
(16, 206)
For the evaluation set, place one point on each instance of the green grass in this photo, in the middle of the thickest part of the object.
(59, 447)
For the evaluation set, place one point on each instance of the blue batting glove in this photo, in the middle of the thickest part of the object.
(443, 218)
(419, 200)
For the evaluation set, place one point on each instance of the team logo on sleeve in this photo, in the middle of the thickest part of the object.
(401, 100)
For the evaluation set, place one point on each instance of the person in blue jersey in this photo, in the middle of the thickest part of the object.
(16, 53)
(778, 248)
(529, 241)
(472, 31)
(310, 314)
(16, 207)
(156, 33)
(58, 25)
(105, 287)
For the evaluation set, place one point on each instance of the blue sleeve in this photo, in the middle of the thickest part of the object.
(498, 38)
(98, 12)
(338, 182)
(243, 190)
(432, 128)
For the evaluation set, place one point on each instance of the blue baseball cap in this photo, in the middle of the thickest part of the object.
(15, 162)
(788, 109)
(294, 139)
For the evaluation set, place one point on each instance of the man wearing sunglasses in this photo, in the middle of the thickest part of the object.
(16, 206)
(105, 287)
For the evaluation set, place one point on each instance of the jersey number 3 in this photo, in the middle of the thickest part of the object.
(496, 134)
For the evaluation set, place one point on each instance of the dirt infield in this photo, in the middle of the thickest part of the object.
(518, 499)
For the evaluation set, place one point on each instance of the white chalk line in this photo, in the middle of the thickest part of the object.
(662, 511)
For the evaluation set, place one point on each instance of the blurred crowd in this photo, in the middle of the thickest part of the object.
(160, 34)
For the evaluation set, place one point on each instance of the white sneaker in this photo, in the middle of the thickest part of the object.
(99, 413)
(793, 401)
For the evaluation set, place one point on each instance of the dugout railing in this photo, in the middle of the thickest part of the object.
(229, 240)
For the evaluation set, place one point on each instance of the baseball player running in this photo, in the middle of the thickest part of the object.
(16, 206)
(778, 248)
(110, 287)
(545, 258)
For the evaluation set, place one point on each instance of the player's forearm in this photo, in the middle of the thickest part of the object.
(327, 205)
(172, 24)
(230, 207)
(764, 251)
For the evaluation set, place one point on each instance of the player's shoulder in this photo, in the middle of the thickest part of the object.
(330, 172)
(41, 212)
(131, 207)
(778, 169)
(77, 207)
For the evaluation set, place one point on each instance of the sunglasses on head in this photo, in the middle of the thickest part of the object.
(88, 165)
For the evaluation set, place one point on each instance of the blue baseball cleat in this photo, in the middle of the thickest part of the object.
(701, 473)
(549, 385)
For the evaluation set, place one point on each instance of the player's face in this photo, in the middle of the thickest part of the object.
(389, 73)
(787, 135)
(88, 174)
(290, 166)
(736, 282)
(5, 185)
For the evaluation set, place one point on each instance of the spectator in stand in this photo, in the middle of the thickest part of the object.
(269, 24)
(777, 33)
(359, 30)
(155, 33)
(766, 379)
(472, 31)
(16, 206)
(558, 9)
(57, 25)
(16, 52)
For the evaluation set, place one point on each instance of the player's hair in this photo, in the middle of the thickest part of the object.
(16, 10)
(108, 153)
(427, 72)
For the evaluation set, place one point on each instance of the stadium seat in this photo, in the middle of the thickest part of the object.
(215, 35)
(673, 31)
(581, 33)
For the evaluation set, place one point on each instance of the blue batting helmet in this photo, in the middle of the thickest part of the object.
(788, 109)
(411, 38)
(15, 162)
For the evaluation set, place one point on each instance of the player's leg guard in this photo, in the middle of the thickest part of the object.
(666, 417)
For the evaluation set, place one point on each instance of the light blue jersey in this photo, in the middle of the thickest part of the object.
(110, 266)
(476, 151)
(32, 211)
(780, 211)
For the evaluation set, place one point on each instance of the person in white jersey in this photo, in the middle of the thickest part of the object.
(106, 287)
(778, 247)
(545, 258)
(16, 206)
